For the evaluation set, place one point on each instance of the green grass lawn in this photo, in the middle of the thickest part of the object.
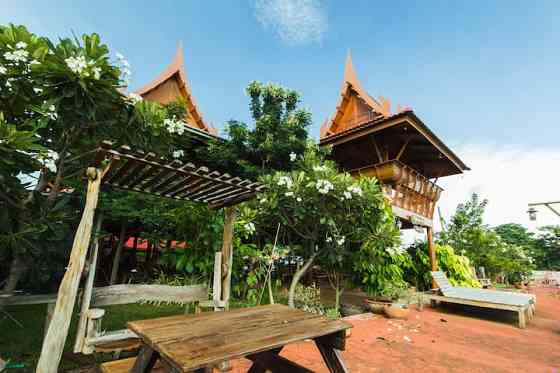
(23, 345)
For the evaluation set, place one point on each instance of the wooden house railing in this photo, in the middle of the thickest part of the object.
(405, 187)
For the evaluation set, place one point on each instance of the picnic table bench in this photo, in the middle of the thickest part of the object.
(195, 343)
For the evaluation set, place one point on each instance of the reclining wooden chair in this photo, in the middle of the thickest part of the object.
(523, 304)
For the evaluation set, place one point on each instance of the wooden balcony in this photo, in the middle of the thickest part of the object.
(412, 195)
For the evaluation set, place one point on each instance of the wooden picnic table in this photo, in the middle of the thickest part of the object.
(194, 343)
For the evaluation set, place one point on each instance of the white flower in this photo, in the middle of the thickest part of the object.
(293, 156)
(21, 45)
(347, 195)
(341, 241)
(38, 90)
(395, 250)
(319, 168)
(289, 194)
(52, 154)
(49, 160)
(174, 126)
(298, 199)
(34, 62)
(52, 114)
(328, 239)
(19, 55)
(249, 227)
(324, 186)
(3, 70)
(262, 200)
(50, 164)
(285, 180)
(178, 154)
(96, 73)
(355, 189)
(76, 64)
(134, 97)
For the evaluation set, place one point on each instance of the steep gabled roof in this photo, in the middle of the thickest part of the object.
(359, 115)
(172, 84)
(353, 97)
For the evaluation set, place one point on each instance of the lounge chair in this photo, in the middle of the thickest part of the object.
(523, 304)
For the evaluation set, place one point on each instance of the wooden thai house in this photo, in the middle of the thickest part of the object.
(170, 85)
(397, 148)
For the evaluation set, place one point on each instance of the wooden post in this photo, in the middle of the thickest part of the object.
(217, 282)
(88, 290)
(54, 341)
(118, 253)
(227, 254)
(432, 252)
(48, 318)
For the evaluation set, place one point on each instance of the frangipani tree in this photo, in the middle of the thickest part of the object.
(58, 100)
(343, 223)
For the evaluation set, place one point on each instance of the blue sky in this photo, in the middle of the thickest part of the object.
(482, 74)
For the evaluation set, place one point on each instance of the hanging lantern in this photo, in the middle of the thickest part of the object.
(532, 214)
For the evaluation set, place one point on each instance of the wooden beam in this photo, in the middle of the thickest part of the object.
(86, 296)
(118, 253)
(376, 147)
(227, 253)
(432, 252)
(57, 333)
(403, 148)
(136, 293)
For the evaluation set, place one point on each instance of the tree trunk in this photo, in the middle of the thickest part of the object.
(18, 266)
(17, 269)
(297, 276)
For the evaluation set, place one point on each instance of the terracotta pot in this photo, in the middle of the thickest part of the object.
(395, 311)
(377, 307)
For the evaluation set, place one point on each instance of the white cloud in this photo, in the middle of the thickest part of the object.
(295, 22)
(510, 178)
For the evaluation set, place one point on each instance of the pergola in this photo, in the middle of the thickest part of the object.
(136, 171)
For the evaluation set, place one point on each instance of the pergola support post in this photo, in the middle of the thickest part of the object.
(118, 253)
(88, 289)
(227, 254)
(432, 253)
(57, 332)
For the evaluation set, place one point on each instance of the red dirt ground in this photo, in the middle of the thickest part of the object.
(444, 340)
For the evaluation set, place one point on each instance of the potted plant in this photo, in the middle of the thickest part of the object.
(378, 302)
(400, 299)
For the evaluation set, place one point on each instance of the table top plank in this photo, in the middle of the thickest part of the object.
(193, 341)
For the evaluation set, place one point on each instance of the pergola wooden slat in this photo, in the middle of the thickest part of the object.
(136, 171)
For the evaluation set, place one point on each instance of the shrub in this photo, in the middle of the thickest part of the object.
(457, 267)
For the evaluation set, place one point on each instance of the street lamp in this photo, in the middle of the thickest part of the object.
(533, 211)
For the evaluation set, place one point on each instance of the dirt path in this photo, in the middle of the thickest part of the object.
(443, 340)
